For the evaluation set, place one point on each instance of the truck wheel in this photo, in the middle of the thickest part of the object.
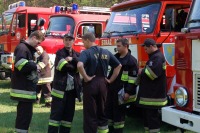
(2, 75)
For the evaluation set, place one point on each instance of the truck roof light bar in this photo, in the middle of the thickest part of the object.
(16, 4)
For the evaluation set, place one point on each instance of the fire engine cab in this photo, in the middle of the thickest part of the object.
(76, 21)
(185, 113)
(137, 20)
(15, 24)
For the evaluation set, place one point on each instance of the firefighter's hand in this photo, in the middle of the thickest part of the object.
(126, 96)
(89, 78)
(108, 81)
(68, 58)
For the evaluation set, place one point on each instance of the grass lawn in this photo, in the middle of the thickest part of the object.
(40, 118)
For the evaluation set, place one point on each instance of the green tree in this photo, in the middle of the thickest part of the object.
(49, 3)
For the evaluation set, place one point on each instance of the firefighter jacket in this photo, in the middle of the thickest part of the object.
(44, 62)
(63, 69)
(152, 86)
(24, 78)
(127, 76)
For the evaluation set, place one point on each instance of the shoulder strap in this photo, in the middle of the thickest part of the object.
(100, 54)
(99, 61)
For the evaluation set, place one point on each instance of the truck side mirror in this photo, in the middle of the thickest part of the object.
(41, 22)
(185, 30)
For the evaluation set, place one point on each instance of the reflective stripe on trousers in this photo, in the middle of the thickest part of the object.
(21, 131)
(102, 129)
(66, 124)
(54, 123)
(118, 125)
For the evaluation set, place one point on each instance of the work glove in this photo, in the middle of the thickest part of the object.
(70, 83)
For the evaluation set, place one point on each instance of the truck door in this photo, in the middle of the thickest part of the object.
(46, 18)
(18, 28)
(95, 28)
(172, 20)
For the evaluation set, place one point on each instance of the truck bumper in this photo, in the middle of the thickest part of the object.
(181, 119)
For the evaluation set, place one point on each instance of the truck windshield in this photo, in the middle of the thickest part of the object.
(61, 25)
(194, 17)
(134, 20)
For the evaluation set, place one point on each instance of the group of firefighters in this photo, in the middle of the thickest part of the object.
(104, 96)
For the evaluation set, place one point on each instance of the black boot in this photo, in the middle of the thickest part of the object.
(64, 129)
(111, 129)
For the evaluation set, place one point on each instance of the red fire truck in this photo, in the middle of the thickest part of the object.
(15, 24)
(185, 113)
(137, 20)
(77, 21)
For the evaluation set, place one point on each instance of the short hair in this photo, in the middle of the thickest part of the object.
(90, 36)
(124, 42)
(38, 34)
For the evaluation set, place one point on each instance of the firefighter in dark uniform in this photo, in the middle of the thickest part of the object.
(24, 80)
(152, 86)
(45, 79)
(66, 88)
(93, 66)
(126, 79)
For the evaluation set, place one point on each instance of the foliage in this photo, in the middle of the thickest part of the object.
(49, 3)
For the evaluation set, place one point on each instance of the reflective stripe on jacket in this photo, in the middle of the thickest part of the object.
(62, 69)
(24, 77)
(44, 63)
(152, 87)
(127, 76)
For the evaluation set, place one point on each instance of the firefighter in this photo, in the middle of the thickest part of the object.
(93, 66)
(152, 86)
(45, 79)
(66, 88)
(124, 83)
(24, 80)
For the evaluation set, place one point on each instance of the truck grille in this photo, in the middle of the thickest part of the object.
(197, 91)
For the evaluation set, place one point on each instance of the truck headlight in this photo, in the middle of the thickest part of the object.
(181, 96)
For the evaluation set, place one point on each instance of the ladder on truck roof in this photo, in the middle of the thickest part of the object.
(94, 10)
